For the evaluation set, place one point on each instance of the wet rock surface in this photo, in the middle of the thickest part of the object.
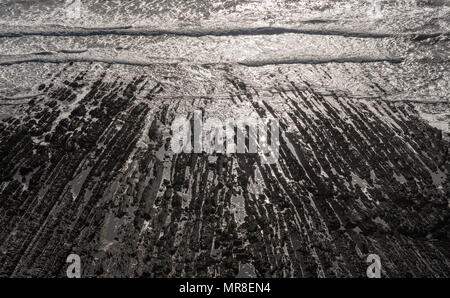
(88, 169)
(88, 97)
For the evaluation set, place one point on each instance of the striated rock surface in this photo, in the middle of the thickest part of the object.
(88, 169)
(87, 104)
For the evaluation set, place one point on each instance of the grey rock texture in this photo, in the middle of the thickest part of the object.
(354, 177)
(87, 167)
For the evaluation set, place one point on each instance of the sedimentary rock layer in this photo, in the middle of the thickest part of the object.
(87, 168)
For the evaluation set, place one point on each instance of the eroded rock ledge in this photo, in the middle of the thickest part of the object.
(88, 170)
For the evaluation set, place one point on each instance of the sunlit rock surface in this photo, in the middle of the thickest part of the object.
(87, 103)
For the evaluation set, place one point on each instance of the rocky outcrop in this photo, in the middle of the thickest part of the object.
(88, 169)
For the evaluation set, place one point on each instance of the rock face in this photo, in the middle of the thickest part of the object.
(87, 169)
